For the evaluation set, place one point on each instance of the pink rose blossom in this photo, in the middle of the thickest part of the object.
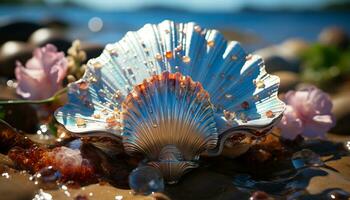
(308, 112)
(43, 75)
(290, 123)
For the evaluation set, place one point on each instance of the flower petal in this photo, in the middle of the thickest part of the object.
(291, 126)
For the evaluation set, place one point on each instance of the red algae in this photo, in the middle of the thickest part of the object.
(68, 162)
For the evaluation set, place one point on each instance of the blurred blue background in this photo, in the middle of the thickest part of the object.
(256, 23)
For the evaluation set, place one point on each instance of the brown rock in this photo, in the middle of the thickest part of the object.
(318, 184)
(44, 36)
(10, 52)
(335, 36)
(288, 80)
(284, 56)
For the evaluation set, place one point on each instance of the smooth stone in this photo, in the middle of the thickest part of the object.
(54, 23)
(243, 37)
(237, 150)
(10, 52)
(342, 165)
(17, 30)
(92, 50)
(283, 57)
(318, 184)
(45, 36)
(288, 80)
(335, 36)
(22, 116)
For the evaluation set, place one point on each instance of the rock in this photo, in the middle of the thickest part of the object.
(284, 56)
(336, 36)
(288, 80)
(17, 30)
(10, 52)
(243, 37)
(341, 165)
(275, 63)
(92, 50)
(318, 184)
(54, 23)
(341, 110)
(236, 150)
(21, 116)
(44, 36)
(10, 138)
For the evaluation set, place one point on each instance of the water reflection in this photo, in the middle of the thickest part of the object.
(306, 158)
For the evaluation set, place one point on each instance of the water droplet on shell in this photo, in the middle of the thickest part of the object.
(259, 84)
(197, 28)
(83, 85)
(249, 56)
(270, 114)
(229, 115)
(146, 180)
(245, 105)
(186, 59)
(210, 43)
(233, 57)
(168, 54)
(80, 122)
(158, 57)
(47, 178)
(228, 96)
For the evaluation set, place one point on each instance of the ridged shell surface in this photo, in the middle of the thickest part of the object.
(241, 91)
(169, 119)
(168, 109)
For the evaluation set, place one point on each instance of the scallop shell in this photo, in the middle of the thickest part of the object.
(169, 118)
(243, 94)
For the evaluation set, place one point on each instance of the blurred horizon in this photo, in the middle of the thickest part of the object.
(193, 5)
(255, 23)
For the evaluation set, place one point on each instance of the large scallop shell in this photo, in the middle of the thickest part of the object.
(243, 94)
(169, 118)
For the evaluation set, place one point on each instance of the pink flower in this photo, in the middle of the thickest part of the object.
(43, 75)
(308, 112)
(290, 123)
